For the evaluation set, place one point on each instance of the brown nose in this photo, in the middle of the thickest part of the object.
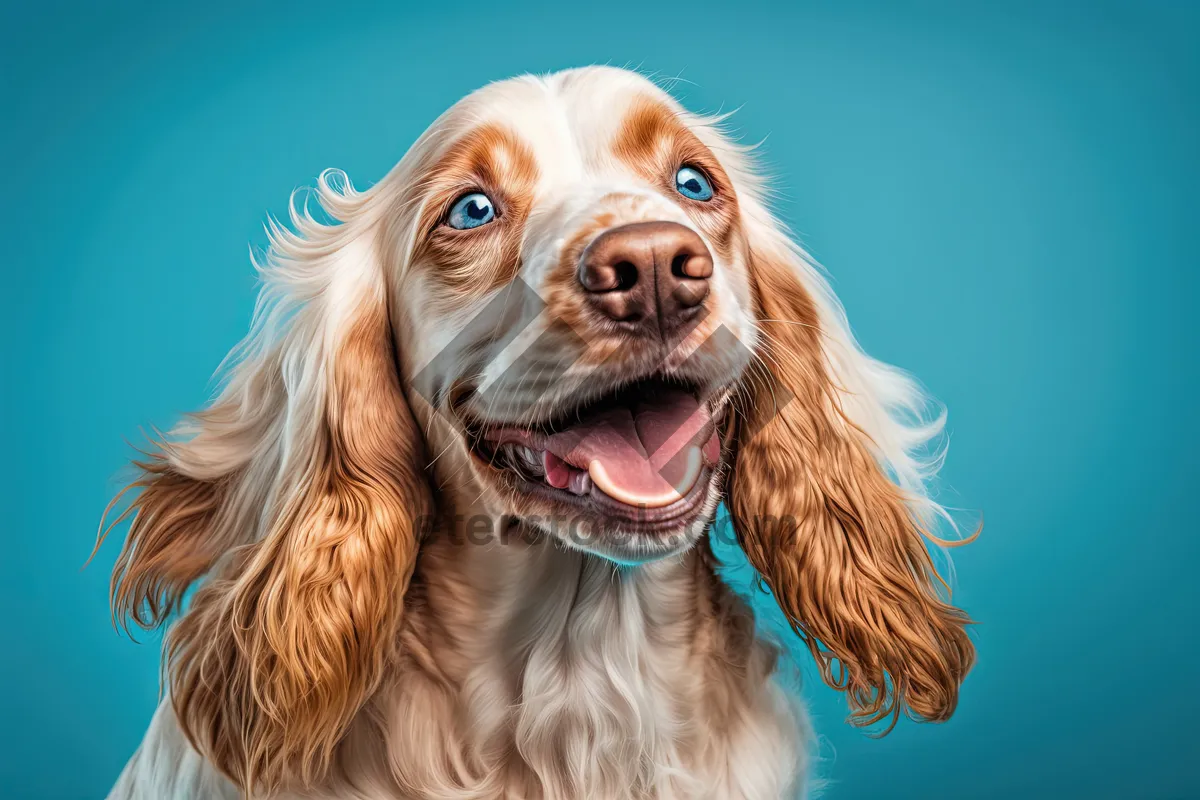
(651, 276)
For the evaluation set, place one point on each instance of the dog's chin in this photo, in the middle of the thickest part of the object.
(626, 535)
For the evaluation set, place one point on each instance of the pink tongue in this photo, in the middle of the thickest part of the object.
(646, 455)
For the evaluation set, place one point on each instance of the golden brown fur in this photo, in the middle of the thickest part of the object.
(490, 158)
(288, 639)
(653, 138)
(832, 535)
(360, 633)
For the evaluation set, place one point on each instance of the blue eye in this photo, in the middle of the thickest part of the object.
(471, 211)
(692, 184)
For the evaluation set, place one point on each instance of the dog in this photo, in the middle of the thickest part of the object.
(452, 504)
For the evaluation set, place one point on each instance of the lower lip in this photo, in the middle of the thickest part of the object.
(650, 521)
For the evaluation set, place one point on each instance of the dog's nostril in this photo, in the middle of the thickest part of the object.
(692, 266)
(678, 264)
(627, 275)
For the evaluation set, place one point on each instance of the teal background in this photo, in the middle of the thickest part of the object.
(1005, 195)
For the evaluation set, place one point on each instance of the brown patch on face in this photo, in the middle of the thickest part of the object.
(568, 306)
(564, 296)
(654, 142)
(490, 159)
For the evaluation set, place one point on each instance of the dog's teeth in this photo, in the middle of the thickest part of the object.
(581, 483)
(525, 461)
(530, 461)
(509, 456)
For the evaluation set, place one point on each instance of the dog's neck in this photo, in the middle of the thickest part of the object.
(515, 596)
(608, 681)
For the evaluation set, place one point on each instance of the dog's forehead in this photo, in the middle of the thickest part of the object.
(568, 120)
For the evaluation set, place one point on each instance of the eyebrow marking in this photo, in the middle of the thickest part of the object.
(491, 156)
(492, 159)
(654, 140)
(648, 134)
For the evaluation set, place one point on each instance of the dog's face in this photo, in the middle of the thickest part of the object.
(575, 309)
(569, 303)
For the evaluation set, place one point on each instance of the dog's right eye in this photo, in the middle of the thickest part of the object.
(471, 211)
(692, 183)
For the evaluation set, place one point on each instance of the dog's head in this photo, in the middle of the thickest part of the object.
(566, 306)
(576, 308)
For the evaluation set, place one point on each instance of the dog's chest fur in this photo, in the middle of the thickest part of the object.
(548, 674)
(535, 673)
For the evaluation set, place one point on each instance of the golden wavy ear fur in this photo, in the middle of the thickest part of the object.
(300, 491)
(838, 542)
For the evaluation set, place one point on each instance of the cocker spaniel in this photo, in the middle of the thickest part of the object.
(452, 503)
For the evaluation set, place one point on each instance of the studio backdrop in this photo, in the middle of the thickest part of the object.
(1004, 196)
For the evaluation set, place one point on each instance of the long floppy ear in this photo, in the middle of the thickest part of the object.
(827, 500)
(299, 490)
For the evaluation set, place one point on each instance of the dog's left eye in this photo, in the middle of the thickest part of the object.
(471, 211)
(692, 183)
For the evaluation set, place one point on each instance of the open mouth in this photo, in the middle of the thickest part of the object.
(643, 454)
